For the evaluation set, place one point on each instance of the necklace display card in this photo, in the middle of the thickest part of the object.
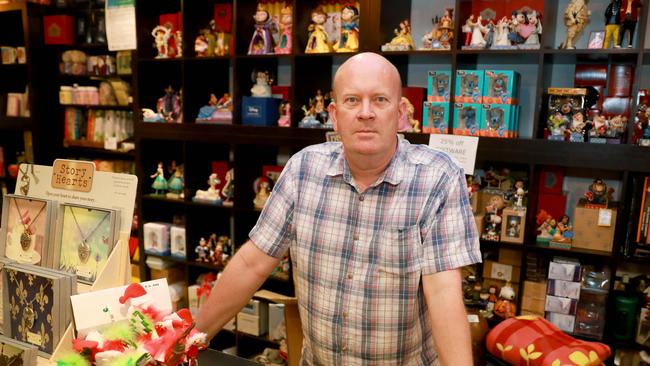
(85, 238)
(27, 229)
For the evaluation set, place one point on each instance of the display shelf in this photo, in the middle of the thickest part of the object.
(99, 107)
(253, 57)
(587, 51)
(497, 52)
(84, 78)
(417, 53)
(498, 245)
(96, 148)
(184, 202)
(80, 46)
(606, 256)
(15, 123)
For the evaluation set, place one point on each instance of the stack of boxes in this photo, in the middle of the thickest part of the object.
(435, 116)
(563, 293)
(506, 270)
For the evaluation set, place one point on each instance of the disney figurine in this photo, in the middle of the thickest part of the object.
(159, 183)
(506, 307)
(203, 251)
(206, 42)
(598, 193)
(210, 195)
(228, 191)
(262, 192)
(349, 38)
(576, 17)
(492, 218)
(175, 184)
(206, 112)
(467, 29)
(286, 25)
(403, 40)
(478, 30)
(565, 228)
(285, 114)
(262, 42)
(534, 30)
(317, 42)
(501, 31)
(445, 33)
(161, 35)
(612, 24)
(316, 116)
(408, 123)
(628, 17)
(262, 86)
(520, 193)
(224, 109)
(169, 106)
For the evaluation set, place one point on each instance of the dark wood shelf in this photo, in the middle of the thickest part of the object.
(82, 78)
(590, 51)
(252, 57)
(571, 252)
(81, 46)
(498, 52)
(416, 53)
(184, 202)
(207, 59)
(100, 107)
(85, 147)
(15, 123)
(498, 245)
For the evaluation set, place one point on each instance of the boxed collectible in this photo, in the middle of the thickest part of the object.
(156, 238)
(498, 120)
(566, 114)
(435, 117)
(566, 323)
(561, 305)
(178, 242)
(58, 29)
(467, 119)
(562, 288)
(564, 270)
(500, 87)
(594, 226)
(253, 318)
(439, 83)
(500, 271)
(469, 86)
(514, 225)
(534, 297)
(260, 111)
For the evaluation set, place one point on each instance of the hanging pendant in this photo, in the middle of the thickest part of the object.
(25, 240)
(83, 251)
(29, 316)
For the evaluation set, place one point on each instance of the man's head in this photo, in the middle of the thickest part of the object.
(367, 105)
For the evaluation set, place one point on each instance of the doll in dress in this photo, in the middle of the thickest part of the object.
(263, 81)
(262, 42)
(349, 39)
(403, 37)
(536, 25)
(161, 35)
(286, 25)
(228, 191)
(175, 184)
(285, 114)
(317, 42)
(478, 30)
(445, 32)
(169, 106)
(159, 183)
(262, 192)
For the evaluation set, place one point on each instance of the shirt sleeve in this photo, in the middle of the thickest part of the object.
(449, 236)
(273, 232)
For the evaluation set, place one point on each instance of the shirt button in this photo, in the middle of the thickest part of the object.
(345, 314)
(356, 237)
(344, 348)
(350, 276)
(361, 198)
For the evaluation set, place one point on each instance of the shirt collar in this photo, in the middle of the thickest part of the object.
(393, 173)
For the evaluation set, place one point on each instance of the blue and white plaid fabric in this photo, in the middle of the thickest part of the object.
(359, 257)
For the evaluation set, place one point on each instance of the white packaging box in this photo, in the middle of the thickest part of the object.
(178, 242)
(156, 238)
(277, 328)
(565, 322)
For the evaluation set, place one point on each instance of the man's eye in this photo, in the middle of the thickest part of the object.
(351, 100)
(381, 99)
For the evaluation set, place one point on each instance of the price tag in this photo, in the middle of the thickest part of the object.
(461, 148)
(110, 143)
(604, 217)
(73, 175)
(472, 318)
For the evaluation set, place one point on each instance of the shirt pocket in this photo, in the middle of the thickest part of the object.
(400, 250)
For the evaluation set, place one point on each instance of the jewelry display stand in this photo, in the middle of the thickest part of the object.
(101, 189)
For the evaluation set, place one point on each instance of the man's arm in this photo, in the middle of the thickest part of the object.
(443, 294)
(243, 275)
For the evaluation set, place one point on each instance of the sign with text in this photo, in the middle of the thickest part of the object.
(73, 175)
(461, 148)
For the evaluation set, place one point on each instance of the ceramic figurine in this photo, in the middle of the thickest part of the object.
(175, 184)
(262, 86)
(598, 193)
(403, 40)
(169, 106)
(317, 42)
(445, 33)
(492, 299)
(210, 195)
(228, 191)
(285, 114)
(222, 47)
(520, 193)
(467, 29)
(501, 34)
(203, 251)
(535, 30)
(349, 38)
(478, 30)
(320, 104)
(576, 17)
(286, 25)
(161, 35)
(206, 112)
(309, 120)
(262, 42)
(202, 44)
(628, 17)
(262, 192)
(492, 218)
(565, 228)
(612, 24)
(616, 127)
(408, 123)
(159, 183)
(224, 108)
(506, 307)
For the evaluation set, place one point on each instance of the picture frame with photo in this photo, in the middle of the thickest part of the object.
(596, 39)
(513, 225)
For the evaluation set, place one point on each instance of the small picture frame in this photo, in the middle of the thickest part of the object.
(596, 39)
(513, 225)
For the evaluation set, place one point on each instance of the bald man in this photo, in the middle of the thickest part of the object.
(377, 229)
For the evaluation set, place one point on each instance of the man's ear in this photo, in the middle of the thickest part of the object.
(402, 109)
(331, 109)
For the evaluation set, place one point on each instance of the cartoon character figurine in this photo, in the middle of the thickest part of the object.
(317, 42)
(175, 184)
(598, 193)
(205, 112)
(445, 33)
(161, 35)
(520, 193)
(159, 183)
(262, 42)
(493, 219)
(286, 25)
(576, 17)
(506, 307)
(228, 191)
(628, 17)
(263, 81)
(612, 24)
(408, 123)
(169, 106)
(210, 195)
(349, 38)
(403, 40)
(467, 29)
(202, 251)
(285, 114)
(565, 228)
(262, 192)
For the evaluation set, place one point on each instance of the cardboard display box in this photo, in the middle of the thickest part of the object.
(500, 271)
(534, 297)
(593, 228)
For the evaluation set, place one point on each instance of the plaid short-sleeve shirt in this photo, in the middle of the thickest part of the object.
(359, 257)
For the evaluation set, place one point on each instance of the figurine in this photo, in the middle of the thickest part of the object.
(203, 251)
(349, 38)
(535, 27)
(505, 307)
(211, 195)
(286, 25)
(169, 106)
(202, 45)
(576, 17)
(467, 29)
(224, 109)
(262, 42)
(493, 218)
(228, 191)
(159, 183)
(492, 299)
(403, 40)
(161, 35)
(478, 30)
(175, 184)
(407, 122)
(612, 24)
(598, 193)
(501, 34)
(577, 128)
(565, 228)
(317, 42)
(316, 116)
(262, 192)
(206, 112)
(616, 127)
(222, 47)
(445, 34)
(628, 17)
(262, 86)
(309, 120)
(285, 114)
(520, 193)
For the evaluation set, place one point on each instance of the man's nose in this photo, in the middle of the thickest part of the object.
(366, 110)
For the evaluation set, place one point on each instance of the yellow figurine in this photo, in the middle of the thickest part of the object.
(317, 42)
(403, 40)
(349, 40)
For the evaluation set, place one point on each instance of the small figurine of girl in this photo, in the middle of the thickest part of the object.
(467, 29)
(285, 114)
(212, 193)
(262, 192)
(349, 39)
(565, 228)
(161, 36)
(262, 42)
(317, 42)
(478, 30)
(228, 191)
(262, 87)
(205, 112)
(160, 183)
(175, 184)
(286, 25)
(533, 37)
(403, 37)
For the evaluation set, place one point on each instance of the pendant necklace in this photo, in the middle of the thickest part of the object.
(26, 236)
(83, 249)
(29, 314)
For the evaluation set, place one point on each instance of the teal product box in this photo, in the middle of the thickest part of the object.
(439, 86)
(499, 120)
(501, 87)
(257, 111)
(469, 86)
(467, 119)
(435, 117)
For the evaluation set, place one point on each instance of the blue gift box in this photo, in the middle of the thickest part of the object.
(257, 111)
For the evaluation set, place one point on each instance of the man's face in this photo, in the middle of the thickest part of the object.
(368, 108)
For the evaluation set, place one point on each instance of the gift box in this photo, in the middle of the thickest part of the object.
(500, 271)
(260, 111)
(415, 95)
(438, 86)
(561, 305)
(563, 288)
(467, 119)
(469, 86)
(282, 92)
(156, 238)
(498, 120)
(593, 228)
(178, 242)
(58, 29)
(435, 117)
(534, 297)
(500, 87)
